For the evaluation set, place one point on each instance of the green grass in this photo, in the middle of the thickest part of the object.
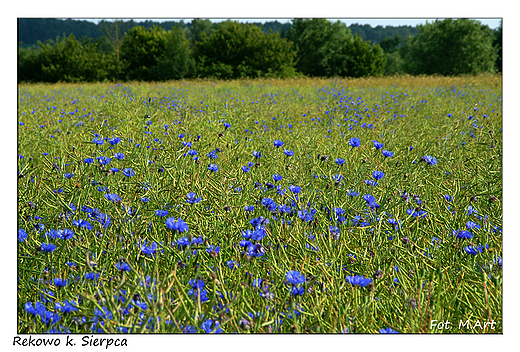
(420, 270)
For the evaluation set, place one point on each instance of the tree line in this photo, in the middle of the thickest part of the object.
(230, 50)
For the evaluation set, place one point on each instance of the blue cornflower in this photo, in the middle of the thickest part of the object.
(197, 290)
(178, 225)
(68, 175)
(277, 177)
(148, 250)
(91, 276)
(66, 306)
(128, 172)
(371, 182)
(212, 154)
(59, 282)
(472, 225)
(352, 193)
(245, 169)
(288, 152)
(387, 153)
(123, 266)
(208, 327)
(464, 234)
(257, 154)
(113, 197)
(249, 208)
(119, 156)
(431, 160)
(388, 331)
(83, 224)
(226, 125)
(22, 235)
(98, 141)
(471, 250)
(448, 198)
(339, 161)
(295, 277)
(358, 280)
(88, 160)
(161, 212)
(378, 175)
(377, 144)
(183, 242)
(306, 215)
(232, 264)
(114, 141)
(213, 167)
(354, 142)
(295, 189)
(277, 143)
(192, 198)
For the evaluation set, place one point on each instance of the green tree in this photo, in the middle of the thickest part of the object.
(497, 43)
(363, 59)
(199, 29)
(319, 45)
(242, 50)
(155, 54)
(177, 61)
(65, 59)
(329, 49)
(450, 47)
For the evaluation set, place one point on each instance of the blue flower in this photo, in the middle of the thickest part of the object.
(431, 160)
(119, 156)
(114, 141)
(207, 327)
(245, 169)
(464, 234)
(288, 152)
(387, 153)
(295, 277)
(448, 198)
(113, 197)
(358, 280)
(192, 198)
(91, 276)
(123, 266)
(161, 212)
(377, 144)
(68, 175)
(277, 143)
(339, 161)
(178, 225)
(128, 172)
(277, 177)
(213, 167)
(295, 189)
(59, 282)
(472, 225)
(378, 175)
(22, 235)
(354, 142)
(257, 154)
(82, 223)
(388, 331)
(88, 160)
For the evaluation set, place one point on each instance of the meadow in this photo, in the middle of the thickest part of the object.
(261, 206)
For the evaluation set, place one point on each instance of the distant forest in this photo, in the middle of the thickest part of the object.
(68, 50)
(32, 30)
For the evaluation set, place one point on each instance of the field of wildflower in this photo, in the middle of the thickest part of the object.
(261, 206)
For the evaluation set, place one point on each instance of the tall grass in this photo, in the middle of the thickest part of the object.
(105, 174)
